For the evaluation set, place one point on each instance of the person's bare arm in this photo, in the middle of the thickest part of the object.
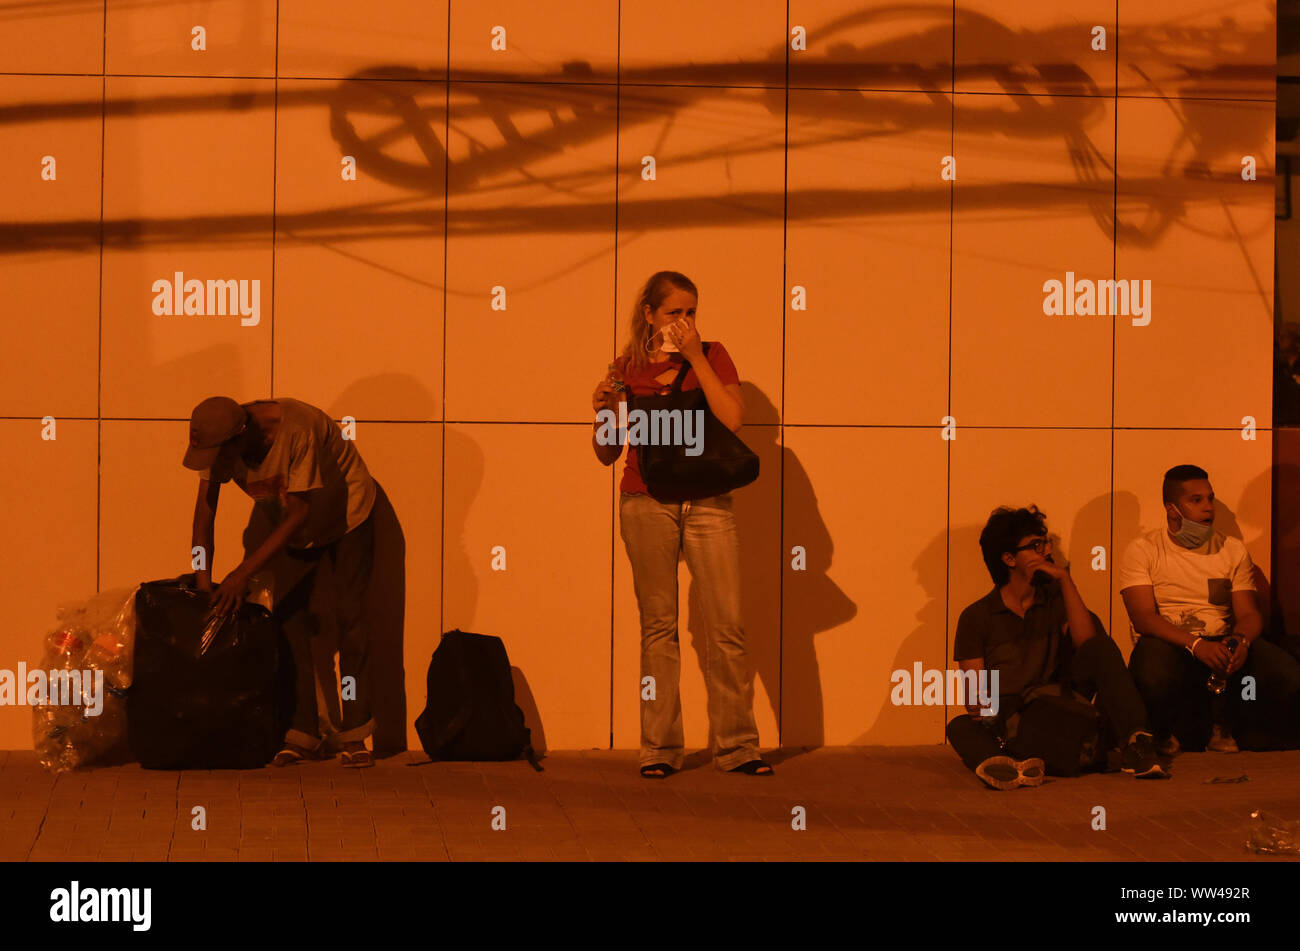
(976, 664)
(227, 597)
(1078, 618)
(1248, 624)
(725, 401)
(607, 397)
(203, 531)
(607, 455)
(1140, 601)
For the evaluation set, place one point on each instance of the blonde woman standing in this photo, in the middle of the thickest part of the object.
(663, 339)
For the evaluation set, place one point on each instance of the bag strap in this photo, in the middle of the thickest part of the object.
(686, 368)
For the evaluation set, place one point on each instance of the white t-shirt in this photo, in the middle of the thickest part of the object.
(308, 454)
(1193, 586)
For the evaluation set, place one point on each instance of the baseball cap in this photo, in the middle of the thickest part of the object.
(213, 421)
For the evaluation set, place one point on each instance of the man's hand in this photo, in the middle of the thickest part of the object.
(1213, 654)
(227, 597)
(1058, 572)
(1238, 655)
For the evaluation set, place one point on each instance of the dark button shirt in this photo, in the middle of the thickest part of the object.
(1026, 652)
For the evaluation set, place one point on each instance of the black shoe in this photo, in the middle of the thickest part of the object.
(1139, 758)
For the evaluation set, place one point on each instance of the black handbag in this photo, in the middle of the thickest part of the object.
(669, 473)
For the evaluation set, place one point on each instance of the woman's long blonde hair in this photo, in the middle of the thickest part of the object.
(653, 293)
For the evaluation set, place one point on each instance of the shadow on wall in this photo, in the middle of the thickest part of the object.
(408, 118)
(528, 704)
(1286, 539)
(784, 656)
(1097, 515)
(930, 633)
(463, 478)
(1256, 499)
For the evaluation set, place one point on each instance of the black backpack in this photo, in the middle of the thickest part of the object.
(471, 712)
(1059, 726)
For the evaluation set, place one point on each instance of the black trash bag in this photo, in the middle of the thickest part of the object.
(206, 697)
(471, 712)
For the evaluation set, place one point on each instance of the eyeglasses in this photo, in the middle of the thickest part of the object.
(1039, 545)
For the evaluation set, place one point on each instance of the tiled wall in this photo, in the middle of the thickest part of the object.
(522, 167)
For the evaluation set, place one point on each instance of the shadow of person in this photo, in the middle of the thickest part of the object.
(528, 704)
(386, 615)
(1285, 595)
(1125, 527)
(780, 641)
(1268, 723)
(460, 603)
(1092, 528)
(460, 489)
(927, 643)
(1256, 502)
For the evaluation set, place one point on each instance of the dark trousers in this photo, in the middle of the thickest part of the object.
(1095, 669)
(1172, 684)
(340, 574)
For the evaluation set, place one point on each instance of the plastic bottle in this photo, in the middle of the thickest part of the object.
(94, 634)
(1273, 834)
(1217, 682)
(64, 648)
(108, 652)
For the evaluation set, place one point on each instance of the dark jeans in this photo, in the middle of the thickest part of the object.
(341, 572)
(1172, 683)
(1094, 669)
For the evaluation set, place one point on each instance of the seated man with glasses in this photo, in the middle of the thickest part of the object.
(1053, 659)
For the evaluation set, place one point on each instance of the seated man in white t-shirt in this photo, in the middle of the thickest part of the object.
(1190, 594)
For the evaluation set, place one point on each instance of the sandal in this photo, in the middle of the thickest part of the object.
(755, 767)
(292, 753)
(657, 771)
(357, 759)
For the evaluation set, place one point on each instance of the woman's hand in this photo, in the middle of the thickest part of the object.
(607, 396)
(686, 338)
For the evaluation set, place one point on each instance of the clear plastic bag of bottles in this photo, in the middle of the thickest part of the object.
(1272, 834)
(83, 718)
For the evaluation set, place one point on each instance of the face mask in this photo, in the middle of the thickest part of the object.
(1193, 534)
(666, 345)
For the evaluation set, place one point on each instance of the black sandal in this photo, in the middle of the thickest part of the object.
(753, 767)
(657, 771)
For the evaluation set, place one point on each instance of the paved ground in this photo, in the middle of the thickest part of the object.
(911, 803)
